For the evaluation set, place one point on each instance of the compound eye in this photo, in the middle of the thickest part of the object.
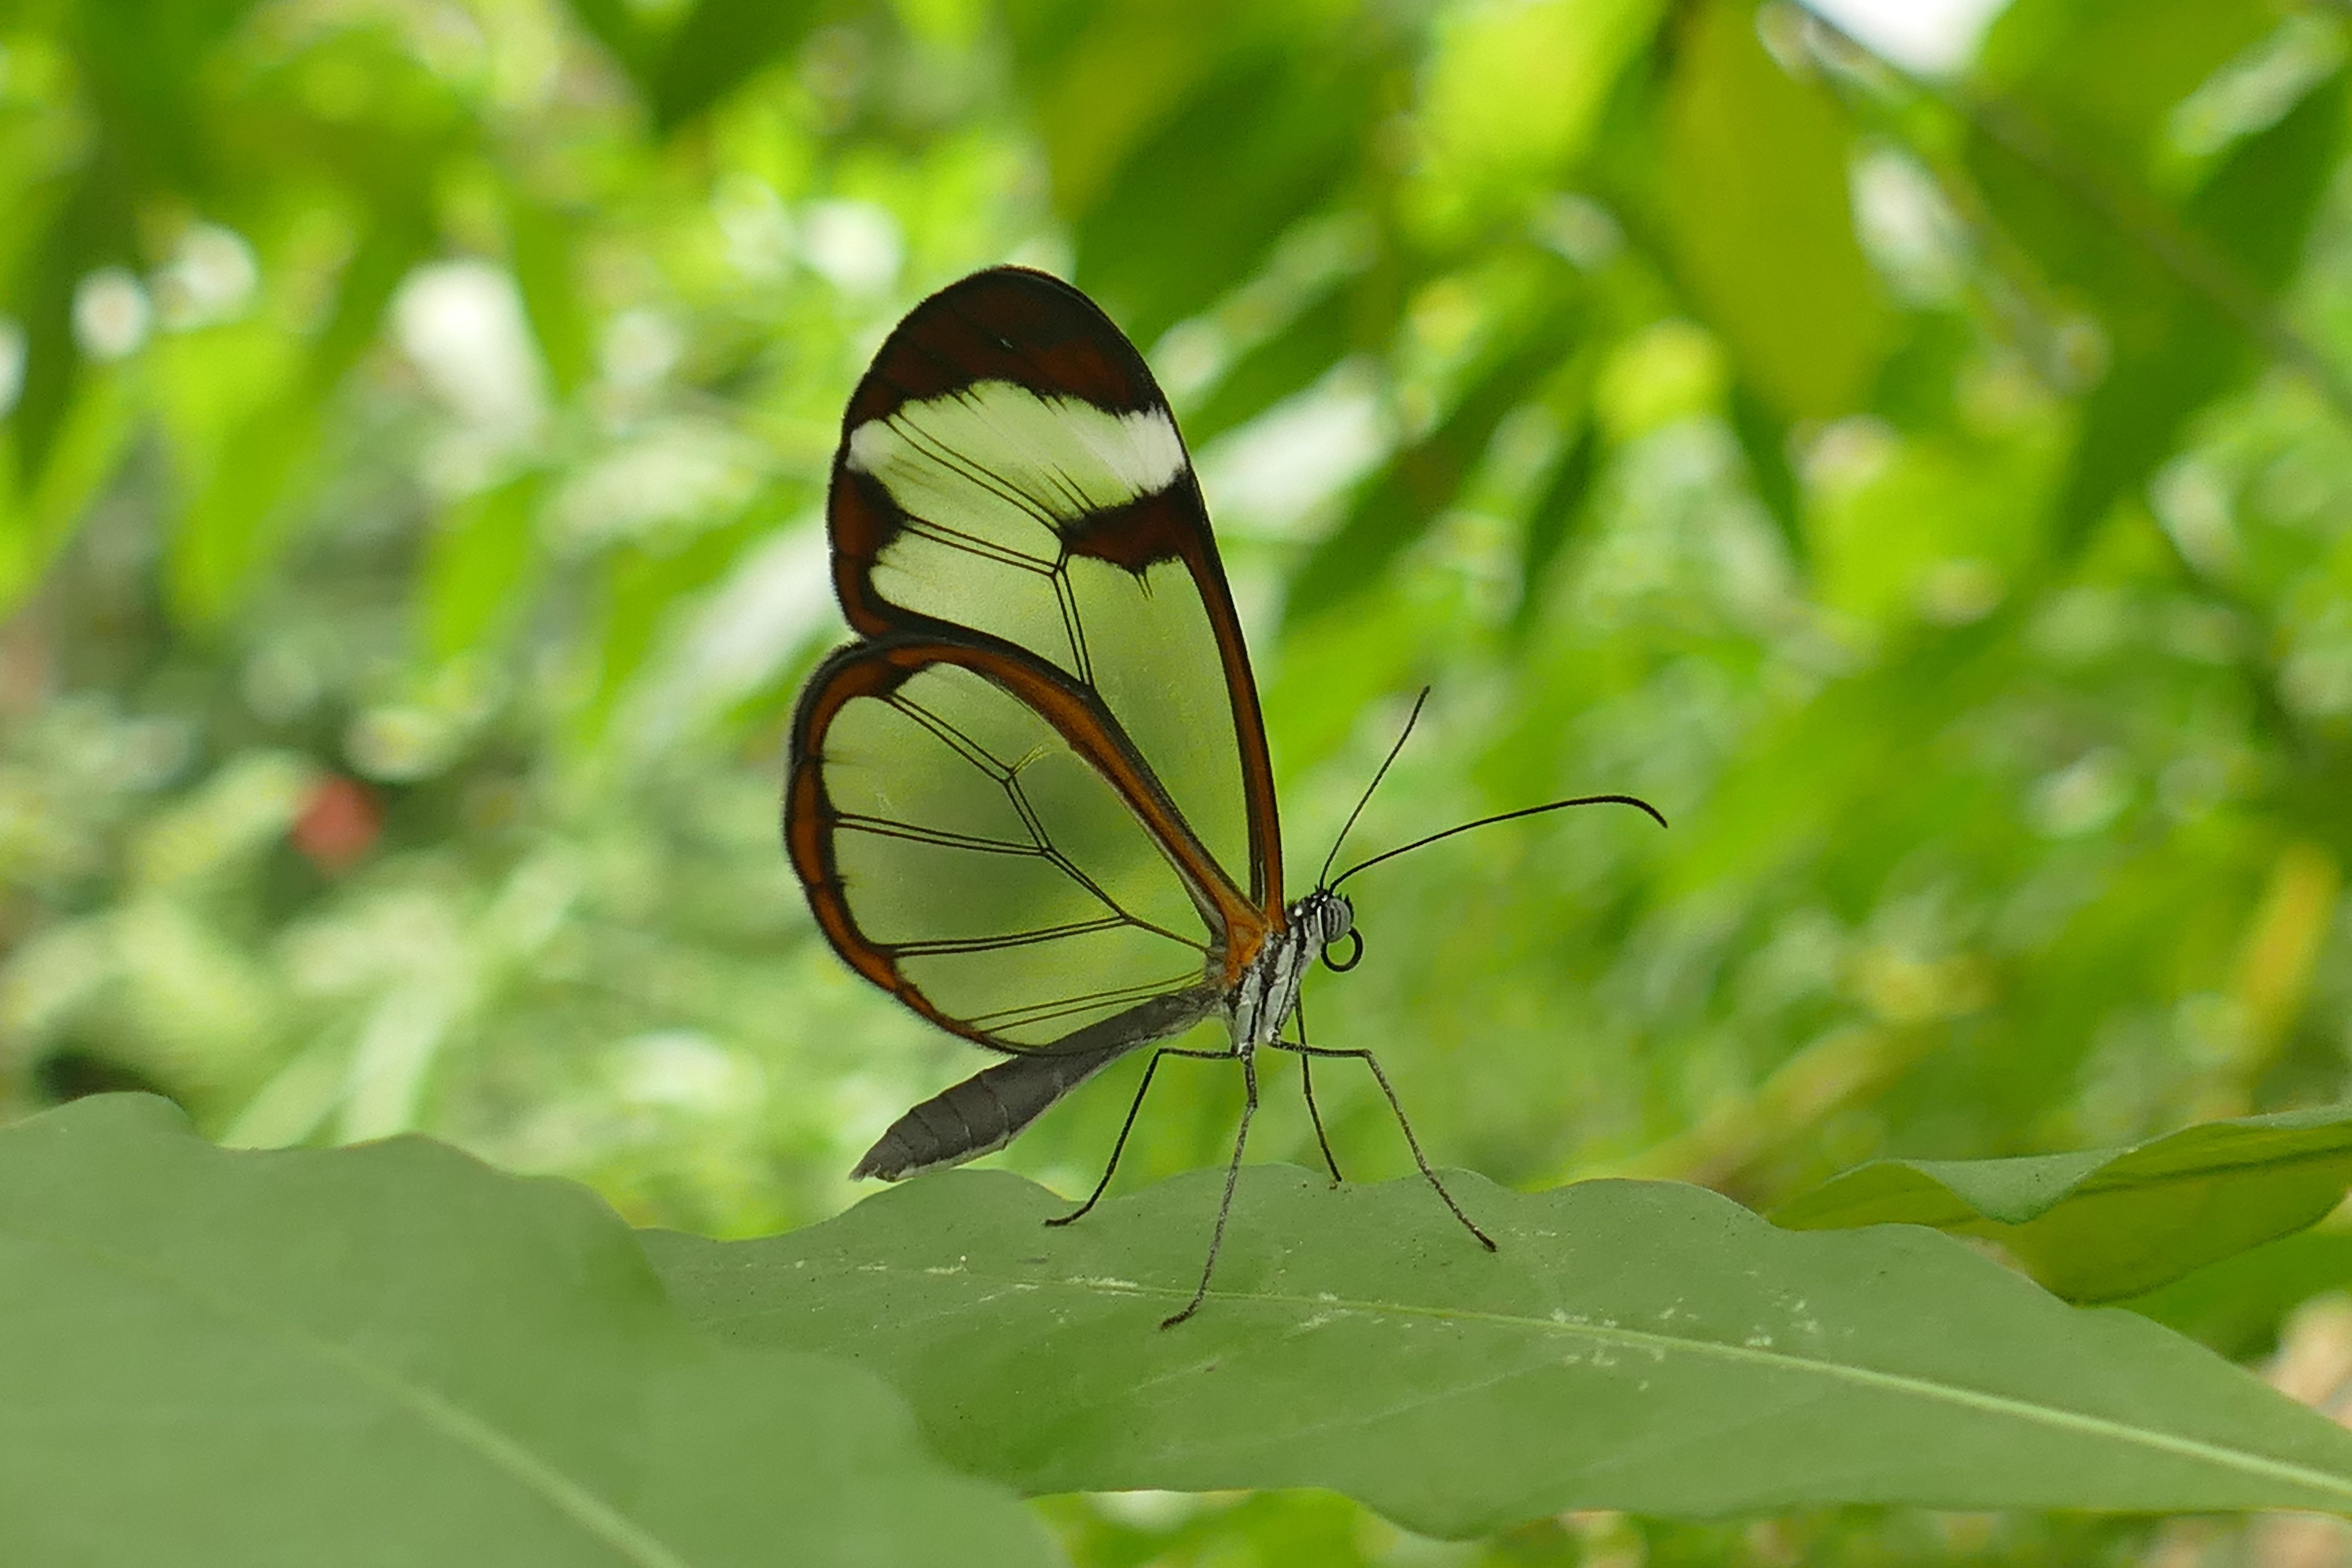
(1355, 953)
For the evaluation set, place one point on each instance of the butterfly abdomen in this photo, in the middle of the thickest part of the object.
(982, 1113)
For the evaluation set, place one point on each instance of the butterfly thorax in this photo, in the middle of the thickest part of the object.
(1263, 1000)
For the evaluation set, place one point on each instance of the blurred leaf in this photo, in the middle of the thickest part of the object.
(227, 534)
(684, 68)
(392, 1354)
(620, 27)
(82, 455)
(1935, 528)
(2237, 1305)
(2104, 1224)
(479, 566)
(540, 246)
(90, 227)
(1554, 515)
(233, 523)
(2182, 293)
(1288, 361)
(1756, 210)
(1624, 1349)
(1404, 499)
(1511, 94)
(2108, 72)
(1099, 77)
(719, 46)
(135, 56)
(642, 587)
(2257, 209)
(1265, 140)
(1764, 442)
(398, 241)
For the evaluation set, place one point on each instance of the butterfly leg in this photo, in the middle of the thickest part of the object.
(1224, 1207)
(1306, 1083)
(1410, 1140)
(1128, 1126)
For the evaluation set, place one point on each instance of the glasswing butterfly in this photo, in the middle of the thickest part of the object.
(1033, 801)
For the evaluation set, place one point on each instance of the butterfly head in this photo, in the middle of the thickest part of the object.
(1326, 918)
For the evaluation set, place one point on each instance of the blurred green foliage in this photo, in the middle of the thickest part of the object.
(1930, 489)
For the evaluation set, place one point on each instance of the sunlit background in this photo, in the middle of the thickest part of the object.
(1908, 444)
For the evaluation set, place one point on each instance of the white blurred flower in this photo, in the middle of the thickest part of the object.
(692, 472)
(638, 349)
(1936, 37)
(854, 246)
(2083, 796)
(461, 323)
(111, 314)
(1305, 450)
(12, 364)
(211, 277)
(683, 1069)
(758, 230)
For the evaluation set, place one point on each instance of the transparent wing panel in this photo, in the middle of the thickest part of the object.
(1155, 662)
(992, 478)
(1003, 877)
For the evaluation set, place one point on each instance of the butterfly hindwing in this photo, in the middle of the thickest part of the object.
(975, 837)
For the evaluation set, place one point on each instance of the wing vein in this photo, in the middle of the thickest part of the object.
(946, 838)
(977, 475)
(1067, 1007)
(954, 944)
(953, 538)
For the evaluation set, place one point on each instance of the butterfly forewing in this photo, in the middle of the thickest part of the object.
(1008, 467)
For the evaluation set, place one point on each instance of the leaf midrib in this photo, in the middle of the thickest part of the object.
(431, 1410)
(1916, 1388)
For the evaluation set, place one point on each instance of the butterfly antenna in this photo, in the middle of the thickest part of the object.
(1323, 878)
(1634, 801)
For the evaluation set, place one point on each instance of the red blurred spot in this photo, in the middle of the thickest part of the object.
(338, 824)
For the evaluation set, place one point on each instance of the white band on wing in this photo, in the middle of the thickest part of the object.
(994, 444)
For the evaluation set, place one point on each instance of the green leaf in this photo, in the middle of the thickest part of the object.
(479, 566)
(1289, 360)
(1644, 1346)
(233, 526)
(84, 450)
(540, 243)
(2150, 54)
(1555, 513)
(1271, 138)
(683, 70)
(1758, 212)
(2183, 291)
(90, 227)
(1512, 94)
(722, 45)
(394, 1354)
(1400, 503)
(643, 586)
(2105, 1223)
(2237, 1305)
(1764, 442)
(619, 25)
